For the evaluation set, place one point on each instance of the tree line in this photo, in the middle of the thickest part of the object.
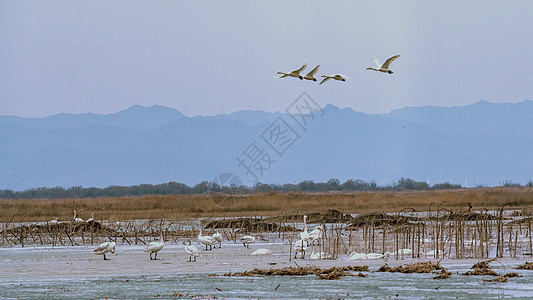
(210, 187)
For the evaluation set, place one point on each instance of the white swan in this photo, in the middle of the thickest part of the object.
(218, 237)
(247, 240)
(91, 219)
(320, 255)
(374, 255)
(404, 251)
(401, 252)
(77, 220)
(304, 236)
(299, 247)
(385, 67)
(357, 256)
(155, 247)
(339, 77)
(295, 73)
(316, 234)
(262, 252)
(192, 250)
(54, 221)
(103, 248)
(206, 240)
(310, 75)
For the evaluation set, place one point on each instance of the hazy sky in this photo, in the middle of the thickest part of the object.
(206, 57)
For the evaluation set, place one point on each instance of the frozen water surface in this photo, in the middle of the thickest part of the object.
(376, 285)
(74, 272)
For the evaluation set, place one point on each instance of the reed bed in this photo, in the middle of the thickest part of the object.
(271, 204)
(329, 273)
(473, 223)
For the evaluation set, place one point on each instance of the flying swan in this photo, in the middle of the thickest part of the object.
(339, 77)
(295, 73)
(310, 75)
(385, 67)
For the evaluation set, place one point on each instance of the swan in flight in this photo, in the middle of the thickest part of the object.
(103, 248)
(310, 75)
(192, 250)
(76, 219)
(207, 240)
(262, 252)
(218, 237)
(295, 73)
(339, 77)
(91, 219)
(385, 67)
(155, 247)
(316, 234)
(247, 240)
(299, 247)
(304, 236)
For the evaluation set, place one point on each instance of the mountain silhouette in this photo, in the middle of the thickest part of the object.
(484, 143)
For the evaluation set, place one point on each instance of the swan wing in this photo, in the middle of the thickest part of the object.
(389, 61)
(192, 250)
(299, 70)
(326, 78)
(377, 63)
(101, 247)
(313, 72)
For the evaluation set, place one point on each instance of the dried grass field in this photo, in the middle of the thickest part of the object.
(184, 207)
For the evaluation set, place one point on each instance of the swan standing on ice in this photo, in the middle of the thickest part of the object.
(192, 250)
(262, 252)
(76, 219)
(310, 75)
(385, 67)
(54, 221)
(295, 73)
(155, 247)
(316, 234)
(247, 240)
(206, 240)
(218, 237)
(103, 248)
(339, 77)
(304, 236)
(299, 247)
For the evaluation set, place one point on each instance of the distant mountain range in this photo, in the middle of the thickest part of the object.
(484, 143)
